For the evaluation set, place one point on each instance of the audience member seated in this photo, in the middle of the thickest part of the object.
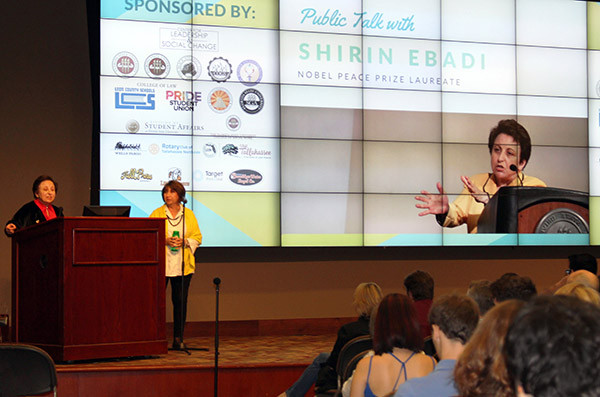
(419, 287)
(583, 262)
(397, 344)
(580, 291)
(577, 262)
(553, 348)
(513, 286)
(453, 319)
(583, 277)
(481, 369)
(366, 298)
(481, 293)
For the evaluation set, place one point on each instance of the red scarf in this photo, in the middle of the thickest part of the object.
(48, 211)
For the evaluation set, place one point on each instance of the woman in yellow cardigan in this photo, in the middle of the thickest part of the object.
(179, 219)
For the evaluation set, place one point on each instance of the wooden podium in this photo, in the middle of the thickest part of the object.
(87, 288)
(528, 209)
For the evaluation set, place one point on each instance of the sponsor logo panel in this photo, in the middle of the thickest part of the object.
(125, 64)
(157, 66)
(252, 101)
(249, 72)
(219, 69)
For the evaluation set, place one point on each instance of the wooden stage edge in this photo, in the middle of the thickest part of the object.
(259, 380)
(264, 379)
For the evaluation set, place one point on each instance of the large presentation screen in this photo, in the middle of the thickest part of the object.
(354, 123)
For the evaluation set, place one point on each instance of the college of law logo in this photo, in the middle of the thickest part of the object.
(189, 68)
(249, 72)
(252, 101)
(125, 64)
(157, 66)
(219, 100)
(219, 69)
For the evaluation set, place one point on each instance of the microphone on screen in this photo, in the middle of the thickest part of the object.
(217, 280)
(514, 168)
(184, 200)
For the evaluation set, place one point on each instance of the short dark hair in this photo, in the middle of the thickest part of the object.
(396, 325)
(176, 186)
(553, 347)
(583, 262)
(456, 315)
(515, 130)
(419, 284)
(481, 293)
(38, 181)
(513, 286)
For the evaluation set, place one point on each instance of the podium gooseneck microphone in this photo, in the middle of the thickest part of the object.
(514, 168)
(217, 282)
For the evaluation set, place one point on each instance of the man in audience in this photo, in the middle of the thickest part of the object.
(481, 293)
(419, 287)
(513, 286)
(553, 348)
(582, 262)
(453, 320)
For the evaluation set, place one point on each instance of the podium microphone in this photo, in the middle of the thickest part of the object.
(514, 168)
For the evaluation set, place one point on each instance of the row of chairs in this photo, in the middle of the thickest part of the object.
(350, 355)
(25, 371)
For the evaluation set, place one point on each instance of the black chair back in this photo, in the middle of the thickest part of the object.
(350, 355)
(25, 371)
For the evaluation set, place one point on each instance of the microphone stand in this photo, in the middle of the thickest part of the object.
(217, 281)
(182, 346)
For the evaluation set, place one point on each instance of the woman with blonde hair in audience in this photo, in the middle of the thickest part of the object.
(321, 371)
(481, 368)
(398, 345)
(580, 291)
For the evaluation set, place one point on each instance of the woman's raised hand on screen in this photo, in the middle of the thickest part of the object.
(435, 204)
(479, 195)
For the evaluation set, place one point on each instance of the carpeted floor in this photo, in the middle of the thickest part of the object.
(233, 352)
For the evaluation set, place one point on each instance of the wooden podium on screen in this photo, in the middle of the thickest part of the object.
(87, 288)
(525, 209)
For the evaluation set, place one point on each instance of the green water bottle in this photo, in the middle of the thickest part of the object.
(175, 234)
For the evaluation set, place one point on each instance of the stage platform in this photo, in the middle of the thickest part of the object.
(248, 366)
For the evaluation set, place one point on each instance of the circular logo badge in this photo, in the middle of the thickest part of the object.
(189, 68)
(251, 101)
(132, 126)
(125, 64)
(219, 100)
(219, 69)
(157, 66)
(154, 148)
(249, 72)
(175, 174)
(234, 123)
